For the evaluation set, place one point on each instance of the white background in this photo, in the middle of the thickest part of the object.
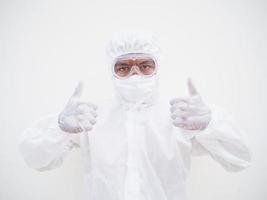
(47, 46)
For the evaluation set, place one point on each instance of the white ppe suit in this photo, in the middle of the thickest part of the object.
(133, 151)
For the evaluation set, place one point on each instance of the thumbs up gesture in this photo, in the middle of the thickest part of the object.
(77, 116)
(190, 113)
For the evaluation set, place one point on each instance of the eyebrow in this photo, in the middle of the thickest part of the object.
(122, 63)
(146, 61)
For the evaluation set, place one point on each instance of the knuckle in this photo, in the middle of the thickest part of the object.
(93, 121)
(173, 116)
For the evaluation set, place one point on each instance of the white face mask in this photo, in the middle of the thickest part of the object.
(136, 89)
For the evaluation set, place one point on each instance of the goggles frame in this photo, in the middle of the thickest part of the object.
(134, 56)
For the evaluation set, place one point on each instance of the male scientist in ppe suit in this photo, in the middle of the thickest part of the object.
(136, 147)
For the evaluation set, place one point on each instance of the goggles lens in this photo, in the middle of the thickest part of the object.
(125, 66)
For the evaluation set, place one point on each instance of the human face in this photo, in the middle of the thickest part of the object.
(137, 63)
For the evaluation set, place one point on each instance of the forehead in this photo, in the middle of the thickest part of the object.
(134, 56)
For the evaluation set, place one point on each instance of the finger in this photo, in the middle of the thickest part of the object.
(75, 130)
(81, 117)
(92, 121)
(71, 121)
(87, 117)
(93, 106)
(77, 92)
(178, 106)
(187, 125)
(190, 108)
(179, 124)
(191, 88)
(194, 127)
(84, 107)
(203, 119)
(186, 107)
(93, 113)
(179, 113)
(179, 100)
(85, 125)
(178, 120)
(183, 108)
(90, 112)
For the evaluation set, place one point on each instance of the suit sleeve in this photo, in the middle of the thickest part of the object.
(45, 146)
(223, 141)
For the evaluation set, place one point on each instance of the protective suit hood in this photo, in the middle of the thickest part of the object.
(135, 90)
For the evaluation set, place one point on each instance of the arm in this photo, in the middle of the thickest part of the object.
(45, 146)
(223, 141)
(210, 130)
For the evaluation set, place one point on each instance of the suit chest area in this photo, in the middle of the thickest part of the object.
(133, 137)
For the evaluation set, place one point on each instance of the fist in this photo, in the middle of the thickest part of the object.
(190, 113)
(77, 116)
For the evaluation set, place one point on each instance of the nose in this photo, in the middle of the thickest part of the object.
(135, 70)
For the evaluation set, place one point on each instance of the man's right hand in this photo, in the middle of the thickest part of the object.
(77, 116)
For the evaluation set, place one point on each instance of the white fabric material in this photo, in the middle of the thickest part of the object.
(134, 152)
(136, 89)
(137, 153)
(132, 42)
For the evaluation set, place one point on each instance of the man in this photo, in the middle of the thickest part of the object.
(136, 147)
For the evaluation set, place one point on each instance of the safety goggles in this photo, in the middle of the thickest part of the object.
(137, 63)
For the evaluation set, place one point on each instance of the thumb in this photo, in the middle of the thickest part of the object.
(191, 88)
(77, 92)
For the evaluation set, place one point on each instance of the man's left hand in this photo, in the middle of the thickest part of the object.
(190, 113)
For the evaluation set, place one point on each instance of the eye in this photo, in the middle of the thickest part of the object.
(122, 68)
(146, 67)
